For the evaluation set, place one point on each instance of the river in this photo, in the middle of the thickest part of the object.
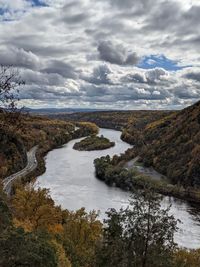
(70, 176)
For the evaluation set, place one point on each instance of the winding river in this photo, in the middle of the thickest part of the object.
(71, 179)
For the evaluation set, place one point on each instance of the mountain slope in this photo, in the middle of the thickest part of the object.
(172, 146)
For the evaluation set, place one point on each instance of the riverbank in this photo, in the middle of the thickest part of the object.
(115, 173)
(83, 129)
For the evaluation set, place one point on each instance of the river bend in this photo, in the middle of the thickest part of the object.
(70, 176)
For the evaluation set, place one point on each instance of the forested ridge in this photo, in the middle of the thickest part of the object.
(171, 145)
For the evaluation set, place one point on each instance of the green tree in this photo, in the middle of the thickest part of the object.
(18, 248)
(141, 235)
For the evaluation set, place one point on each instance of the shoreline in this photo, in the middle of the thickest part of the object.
(40, 157)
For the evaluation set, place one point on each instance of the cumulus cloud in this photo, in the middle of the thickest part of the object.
(153, 76)
(100, 75)
(116, 54)
(19, 58)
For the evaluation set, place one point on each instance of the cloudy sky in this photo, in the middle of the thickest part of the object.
(120, 54)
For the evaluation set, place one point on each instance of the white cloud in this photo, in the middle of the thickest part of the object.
(14, 5)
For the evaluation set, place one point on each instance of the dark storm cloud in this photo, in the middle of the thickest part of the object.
(116, 54)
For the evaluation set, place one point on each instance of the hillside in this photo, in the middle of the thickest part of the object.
(172, 146)
(14, 141)
(12, 153)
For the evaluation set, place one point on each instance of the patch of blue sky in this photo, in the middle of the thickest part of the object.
(38, 3)
(5, 11)
(160, 61)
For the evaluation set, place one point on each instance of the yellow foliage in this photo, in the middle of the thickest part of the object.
(81, 232)
(60, 252)
(37, 209)
(92, 127)
(74, 234)
(187, 258)
(25, 224)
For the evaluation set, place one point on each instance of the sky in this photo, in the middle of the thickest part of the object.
(106, 54)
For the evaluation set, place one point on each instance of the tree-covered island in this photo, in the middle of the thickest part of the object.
(93, 142)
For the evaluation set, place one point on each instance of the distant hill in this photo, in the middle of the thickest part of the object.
(46, 111)
(115, 119)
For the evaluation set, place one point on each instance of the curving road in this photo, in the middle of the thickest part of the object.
(31, 165)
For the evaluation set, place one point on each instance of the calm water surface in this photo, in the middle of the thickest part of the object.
(71, 179)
